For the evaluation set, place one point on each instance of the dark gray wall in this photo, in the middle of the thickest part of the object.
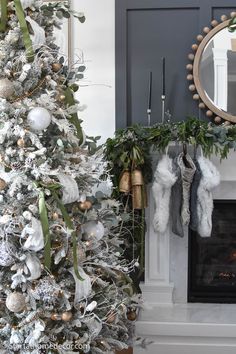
(147, 30)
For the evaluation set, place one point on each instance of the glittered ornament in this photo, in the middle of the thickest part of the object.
(86, 205)
(6, 88)
(39, 119)
(47, 290)
(66, 316)
(7, 252)
(15, 302)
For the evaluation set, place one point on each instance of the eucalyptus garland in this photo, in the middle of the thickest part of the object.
(131, 146)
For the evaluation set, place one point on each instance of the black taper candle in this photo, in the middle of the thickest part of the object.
(150, 92)
(163, 76)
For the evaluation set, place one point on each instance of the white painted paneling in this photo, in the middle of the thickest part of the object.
(96, 38)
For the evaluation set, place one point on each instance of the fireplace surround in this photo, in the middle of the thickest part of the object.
(169, 320)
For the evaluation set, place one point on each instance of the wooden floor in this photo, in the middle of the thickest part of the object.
(126, 351)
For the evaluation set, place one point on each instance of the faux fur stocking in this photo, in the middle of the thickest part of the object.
(164, 179)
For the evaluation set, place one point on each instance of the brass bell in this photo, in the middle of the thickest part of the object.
(139, 197)
(137, 178)
(125, 182)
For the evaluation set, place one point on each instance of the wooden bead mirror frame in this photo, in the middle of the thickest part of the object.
(204, 103)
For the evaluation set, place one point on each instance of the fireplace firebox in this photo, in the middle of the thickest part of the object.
(212, 261)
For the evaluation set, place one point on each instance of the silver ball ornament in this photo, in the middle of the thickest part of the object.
(15, 302)
(93, 230)
(7, 252)
(39, 119)
(6, 88)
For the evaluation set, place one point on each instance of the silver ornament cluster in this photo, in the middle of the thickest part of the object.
(7, 252)
(46, 290)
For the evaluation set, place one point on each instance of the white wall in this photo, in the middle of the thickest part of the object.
(96, 38)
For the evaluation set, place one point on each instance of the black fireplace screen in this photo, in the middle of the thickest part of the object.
(212, 261)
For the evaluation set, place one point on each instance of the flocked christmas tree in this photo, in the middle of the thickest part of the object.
(64, 286)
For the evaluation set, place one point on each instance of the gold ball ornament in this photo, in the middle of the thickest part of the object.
(232, 14)
(6, 88)
(66, 316)
(227, 123)
(62, 98)
(56, 67)
(196, 97)
(131, 315)
(21, 143)
(15, 302)
(86, 205)
(55, 317)
(3, 184)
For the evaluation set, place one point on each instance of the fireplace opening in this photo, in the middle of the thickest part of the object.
(212, 261)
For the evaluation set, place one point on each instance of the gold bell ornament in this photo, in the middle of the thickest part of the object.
(139, 195)
(125, 182)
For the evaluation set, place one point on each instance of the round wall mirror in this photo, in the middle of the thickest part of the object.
(213, 71)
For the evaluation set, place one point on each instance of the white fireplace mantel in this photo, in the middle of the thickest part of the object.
(175, 326)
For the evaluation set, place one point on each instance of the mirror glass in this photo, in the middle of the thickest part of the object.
(217, 71)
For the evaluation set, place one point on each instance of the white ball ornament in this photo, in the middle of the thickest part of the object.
(93, 230)
(15, 302)
(6, 88)
(39, 119)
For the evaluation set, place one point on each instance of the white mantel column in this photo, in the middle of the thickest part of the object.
(157, 287)
(220, 78)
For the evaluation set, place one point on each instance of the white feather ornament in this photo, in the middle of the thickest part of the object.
(38, 38)
(70, 188)
(34, 266)
(91, 306)
(25, 69)
(82, 287)
(35, 241)
(16, 338)
(27, 3)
